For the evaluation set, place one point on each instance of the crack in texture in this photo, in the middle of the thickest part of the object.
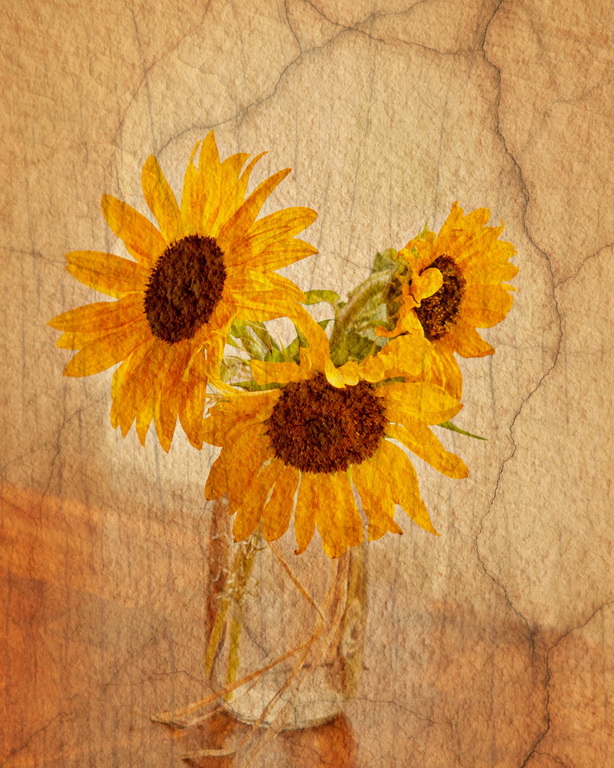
(533, 750)
(532, 635)
(555, 285)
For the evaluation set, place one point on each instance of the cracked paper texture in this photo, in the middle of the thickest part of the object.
(488, 646)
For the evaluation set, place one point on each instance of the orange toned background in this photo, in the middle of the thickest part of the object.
(491, 645)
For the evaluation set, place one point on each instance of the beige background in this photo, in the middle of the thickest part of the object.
(491, 645)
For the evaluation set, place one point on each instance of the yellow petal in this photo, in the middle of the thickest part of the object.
(426, 284)
(159, 361)
(233, 471)
(192, 403)
(239, 223)
(488, 271)
(372, 369)
(169, 395)
(446, 371)
(250, 510)
(270, 230)
(337, 517)
(243, 408)
(161, 200)
(275, 373)
(232, 192)
(403, 483)
(209, 177)
(108, 350)
(486, 305)
(141, 238)
(192, 197)
(101, 316)
(124, 386)
(254, 282)
(466, 341)
(420, 400)
(409, 356)
(418, 438)
(350, 373)
(278, 510)
(281, 254)
(316, 355)
(305, 515)
(369, 477)
(265, 305)
(107, 273)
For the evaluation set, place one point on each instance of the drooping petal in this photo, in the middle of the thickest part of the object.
(337, 517)
(305, 514)
(170, 393)
(403, 483)
(192, 403)
(123, 384)
(416, 436)
(159, 362)
(249, 453)
(278, 510)
(370, 479)
(249, 512)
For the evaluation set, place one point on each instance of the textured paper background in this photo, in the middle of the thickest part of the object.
(491, 645)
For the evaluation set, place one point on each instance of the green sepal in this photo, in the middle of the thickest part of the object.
(316, 296)
(454, 428)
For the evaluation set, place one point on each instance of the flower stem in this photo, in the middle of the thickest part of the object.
(358, 299)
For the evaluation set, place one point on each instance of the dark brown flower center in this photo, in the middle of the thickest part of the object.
(439, 312)
(185, 287)
(316, 427)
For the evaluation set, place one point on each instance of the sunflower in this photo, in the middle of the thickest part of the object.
(452, 283)
(321, 431)
(208, 262)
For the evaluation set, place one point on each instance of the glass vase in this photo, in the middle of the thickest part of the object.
(284, 633)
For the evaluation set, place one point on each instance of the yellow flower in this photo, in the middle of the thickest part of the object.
(454, 284)
(208, 261)
(321, 431)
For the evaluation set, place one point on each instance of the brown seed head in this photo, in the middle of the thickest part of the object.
(316, 427)
(184, 288)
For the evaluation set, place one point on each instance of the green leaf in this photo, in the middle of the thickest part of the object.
(359, 347)
(275, 356)
(315, 297)
(384, 261)
(291, 350)
(454, 428)
(264, 336)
